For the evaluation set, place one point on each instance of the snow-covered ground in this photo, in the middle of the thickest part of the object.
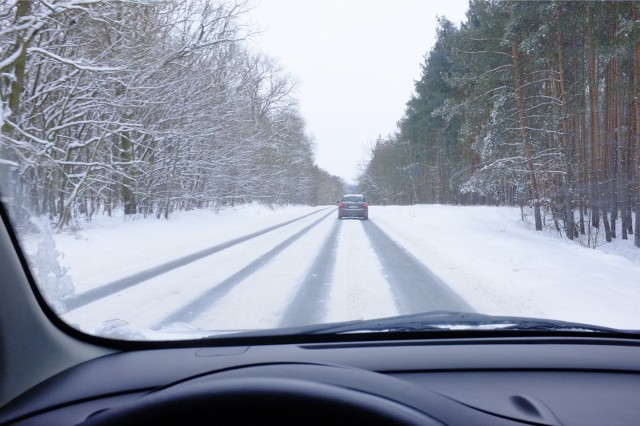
(488, 255)
(108, 248)
(501, 266)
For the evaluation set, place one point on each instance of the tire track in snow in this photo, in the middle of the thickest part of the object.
(414, 286)
(190, 311)
(359, 289)
(309, 304)
(121, 284)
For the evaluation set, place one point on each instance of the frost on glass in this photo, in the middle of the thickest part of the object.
(52, 279)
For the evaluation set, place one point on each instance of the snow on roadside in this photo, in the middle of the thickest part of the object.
(499, 266)
(109, 248)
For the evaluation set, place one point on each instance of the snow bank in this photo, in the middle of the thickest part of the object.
(499, 265)
(109, 248)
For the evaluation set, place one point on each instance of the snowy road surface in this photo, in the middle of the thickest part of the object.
(252, 267)
(309, 270)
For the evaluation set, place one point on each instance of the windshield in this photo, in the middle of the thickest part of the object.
(171, 168)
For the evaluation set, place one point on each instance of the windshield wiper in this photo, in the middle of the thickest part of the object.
(433, 321)
(447, 320)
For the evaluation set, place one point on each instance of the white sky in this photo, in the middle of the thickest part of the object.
(355, 63)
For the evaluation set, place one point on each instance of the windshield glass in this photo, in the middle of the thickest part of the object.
(171, 168)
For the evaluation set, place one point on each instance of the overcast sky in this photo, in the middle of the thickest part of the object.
(355, 63)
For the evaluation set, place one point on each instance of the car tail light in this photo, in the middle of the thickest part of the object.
(364, 205)
(341, 205)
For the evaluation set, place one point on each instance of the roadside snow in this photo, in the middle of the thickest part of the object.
(109, 248)
(500, 266)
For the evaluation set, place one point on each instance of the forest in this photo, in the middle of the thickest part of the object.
(145, 108)
(532, 104)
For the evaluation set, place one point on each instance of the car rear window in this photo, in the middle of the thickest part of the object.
(354, 198)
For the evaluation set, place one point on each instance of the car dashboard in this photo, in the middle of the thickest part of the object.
(508, 380)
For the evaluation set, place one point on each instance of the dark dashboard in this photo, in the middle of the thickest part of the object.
(494, 381)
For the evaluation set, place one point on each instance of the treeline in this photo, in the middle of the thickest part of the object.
(145, 107)
(526, 103)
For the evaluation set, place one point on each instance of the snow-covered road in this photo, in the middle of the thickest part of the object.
(308, 270)
(254, 268)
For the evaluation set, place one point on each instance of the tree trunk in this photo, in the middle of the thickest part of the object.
(16, 83)
(566, 142)
(636, 91)
(597, 158)
(528, 152)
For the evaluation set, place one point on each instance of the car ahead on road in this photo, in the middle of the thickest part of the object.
(353, 205)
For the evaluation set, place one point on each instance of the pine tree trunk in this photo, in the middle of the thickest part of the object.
(624, 174)
(597, 157)
(528, 152)
(566, 143)
(636, 86)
